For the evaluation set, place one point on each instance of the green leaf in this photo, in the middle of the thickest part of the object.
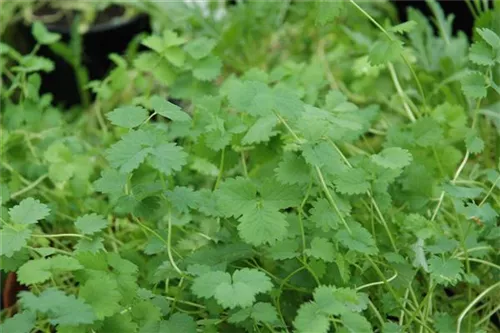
(323, 215)
(168, 158)
(352, 181)
(359, 239)
(292, 170)
(385, 51)
(236, 196)
(42, 269)
(311, 320)
(261, 130)
(240, 290)
(356, 323)
(427, 132)
(60, 308)
(285, 249)
(474, 85)
(392, 158)
(183, 198)
(175, 56)
(323, 156)
(119, 323)
(262, 225)
(322, 249)
(93, 246)
(337, 301)
(264, 313)
(404, 27)
(204, 285)
(42, 35)
(445, 271)
(444, 323)
(90, 223)
(178, 322)
(168, 110)
(128, 116)
(13, 240)
(23, 322)
(29, 211)
(328, 11)
(489, 37)
(481, 54)
(391, 327)
(279, 196)
(111, 182)
(160, 68)
(474, 143)
(200, 47)
(128, 153)
(207, 69)
(102, 294)
(154, 42)
(32, 63)
(462, 192)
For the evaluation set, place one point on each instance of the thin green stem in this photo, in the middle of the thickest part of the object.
(400, 91)
(196, 305)
(481, 261)
(29, 187)
(169, 245)
(381, 28)
(487, 316)
(308, 268)
(221, 168)
(455, 177)
(376, 312)
(471, 304)
(489, 191)
(331, 200)
(377, 283)
(284, 122)
(374, 203)
(244, 164)
(60, 235)
(472, 9)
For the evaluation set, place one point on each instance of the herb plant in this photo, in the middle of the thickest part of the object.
(326, 169)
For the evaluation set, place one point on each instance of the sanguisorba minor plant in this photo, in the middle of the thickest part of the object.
(326, 170)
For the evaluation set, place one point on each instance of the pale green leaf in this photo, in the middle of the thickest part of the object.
(42, 35)
(392, 158)
(168, 110)
(322, 249)
(90, 223)
(128, 116)
(29, 211)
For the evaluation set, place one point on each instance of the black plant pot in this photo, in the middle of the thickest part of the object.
(98, 43)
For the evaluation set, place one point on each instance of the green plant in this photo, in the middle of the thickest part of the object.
(346, 184)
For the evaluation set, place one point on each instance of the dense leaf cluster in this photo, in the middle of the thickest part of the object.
(327, 170)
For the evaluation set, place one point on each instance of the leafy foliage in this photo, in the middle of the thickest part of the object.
(313, 172)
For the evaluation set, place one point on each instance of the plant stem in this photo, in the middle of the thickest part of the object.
(221, 169)
(377, 283)
(415, 77)
(244, 164)
(401, 93)
(29, 187)
(330, 199)
(169, 244)
(471, 304)
(61, 235)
